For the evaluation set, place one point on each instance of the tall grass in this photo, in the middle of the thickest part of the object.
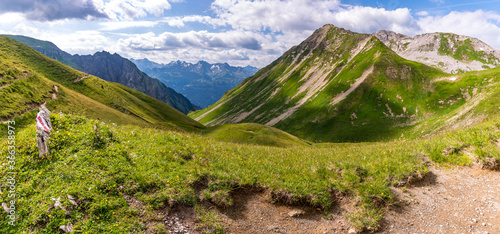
(164, 168)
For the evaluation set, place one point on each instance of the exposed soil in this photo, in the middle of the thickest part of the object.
(253, 213)
(457, 200)
(355, 85)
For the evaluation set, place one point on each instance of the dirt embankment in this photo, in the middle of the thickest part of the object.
(457, 200)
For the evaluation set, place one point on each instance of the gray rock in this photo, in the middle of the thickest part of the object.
(295, 213)
(67, 228)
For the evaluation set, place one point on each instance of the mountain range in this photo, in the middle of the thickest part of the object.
(202, 83)
(29, 78)
(112, 67)
(338, 85)
(124, 162)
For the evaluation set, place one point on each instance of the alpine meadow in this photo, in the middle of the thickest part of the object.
(339, 134)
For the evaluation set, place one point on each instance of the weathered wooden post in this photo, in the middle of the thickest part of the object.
(43, 129)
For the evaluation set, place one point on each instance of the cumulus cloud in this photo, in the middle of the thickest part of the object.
(181, 21)
(300, 15)
(368, 19)
(242, 31)
(48, 10)
(131, 9)
(274, 15)
(192, 39)
(422, 13)
(80, 42)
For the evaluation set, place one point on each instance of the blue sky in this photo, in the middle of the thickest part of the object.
(240, 32)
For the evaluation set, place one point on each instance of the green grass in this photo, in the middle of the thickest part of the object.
(408, 88)
(163, 168)
(27, 79)
(463, 50)
(317, 119)
(250, 133)
(163, 159)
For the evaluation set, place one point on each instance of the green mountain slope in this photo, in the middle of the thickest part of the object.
(28, 78)
(130, 179)
(339, 85)
(112, 67)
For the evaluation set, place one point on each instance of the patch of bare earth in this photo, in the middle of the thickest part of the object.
(358, 81)
(458, 200)
(253, 212)
(176, 219)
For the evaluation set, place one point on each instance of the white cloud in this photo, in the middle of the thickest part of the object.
(117, 25)
(131, 9)
(235, 57)
(275, 26)
(368, 20)
(24, 29)
(422, 13)
(81, 42)
(155, 7)
(192, 39)
(274, 15)
(480, 24)
(300, 15)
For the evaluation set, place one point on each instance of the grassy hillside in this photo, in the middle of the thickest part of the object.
(47, 48)
(114, 68)
(250, 133)
(28, 78)
(130, 176)
(340, 86)
(127, 178)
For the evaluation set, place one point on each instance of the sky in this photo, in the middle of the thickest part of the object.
(239, 32)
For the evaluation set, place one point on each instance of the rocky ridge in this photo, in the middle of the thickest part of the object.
(447, 51)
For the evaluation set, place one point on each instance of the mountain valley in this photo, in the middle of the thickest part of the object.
(344, 133)
(112, 67)
(202, 83)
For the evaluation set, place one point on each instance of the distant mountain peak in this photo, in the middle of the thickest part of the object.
(318, 89)
(202, 82)
(112, 67)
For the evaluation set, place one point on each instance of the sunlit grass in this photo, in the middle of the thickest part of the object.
(161, 168)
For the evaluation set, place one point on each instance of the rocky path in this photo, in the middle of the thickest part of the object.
(456, 200)
(459, 200)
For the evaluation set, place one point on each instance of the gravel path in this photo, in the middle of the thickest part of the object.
(459, 200)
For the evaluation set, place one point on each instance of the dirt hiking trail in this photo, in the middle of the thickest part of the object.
(458, 200)
(447, 200)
